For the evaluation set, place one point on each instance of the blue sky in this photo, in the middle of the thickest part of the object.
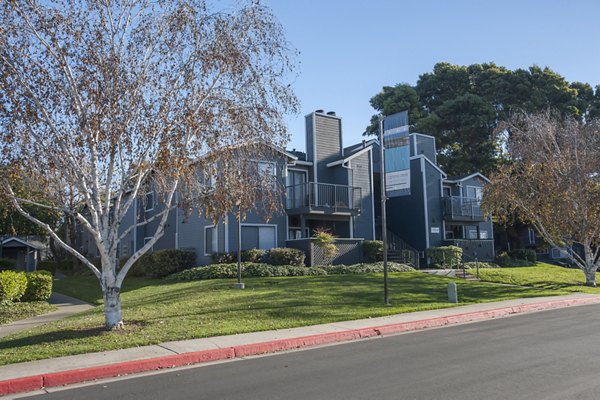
(350, 49)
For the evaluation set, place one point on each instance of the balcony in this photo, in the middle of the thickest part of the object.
(463, 209)
(323, 198)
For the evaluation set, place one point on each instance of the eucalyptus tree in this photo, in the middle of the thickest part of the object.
(105, 98)
(551, 180)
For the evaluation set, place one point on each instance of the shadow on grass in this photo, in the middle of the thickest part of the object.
(49, 338)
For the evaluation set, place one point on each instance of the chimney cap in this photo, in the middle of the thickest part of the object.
(331, 113)
(319, 111)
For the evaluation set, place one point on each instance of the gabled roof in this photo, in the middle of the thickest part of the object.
(350, 157)
(23, 242)
(444, 175)
(457, 179)
(358, 146)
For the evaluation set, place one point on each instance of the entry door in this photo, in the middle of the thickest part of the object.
(296, 188)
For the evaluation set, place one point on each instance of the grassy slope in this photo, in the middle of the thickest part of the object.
(542, 275)
(19, 311)
(165, 311)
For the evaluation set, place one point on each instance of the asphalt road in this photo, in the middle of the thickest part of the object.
(546, 355)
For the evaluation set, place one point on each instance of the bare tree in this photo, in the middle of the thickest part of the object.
(105, 97)
(551, 179)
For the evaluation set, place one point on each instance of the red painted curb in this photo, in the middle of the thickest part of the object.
(129, 367)
(18, 385)
(106, 371)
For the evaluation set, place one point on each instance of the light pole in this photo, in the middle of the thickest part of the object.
(239, 284)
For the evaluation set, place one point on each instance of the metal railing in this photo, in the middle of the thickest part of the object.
(463, 208)
(313, 195)
(401, 251)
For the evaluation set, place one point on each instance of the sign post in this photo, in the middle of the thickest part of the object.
(386, 299)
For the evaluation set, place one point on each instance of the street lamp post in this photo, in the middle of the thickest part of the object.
(239, 284)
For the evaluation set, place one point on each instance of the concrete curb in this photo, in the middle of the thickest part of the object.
(54, 379)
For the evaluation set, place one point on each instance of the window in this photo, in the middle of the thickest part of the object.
(149, 201)
(483, 235)
(474, 192)
(266, 168)
(258, 237)
(210, 240)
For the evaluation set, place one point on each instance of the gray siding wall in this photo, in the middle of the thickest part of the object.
(127, 245)
(167, 241)
(478, 182)
(310, 154)
(362, 175)
(405, 214)
(191, 236)
(424, 145)
(252, 219)
(328, 140)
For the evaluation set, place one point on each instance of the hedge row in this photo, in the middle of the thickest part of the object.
(250, 270)
(25, 286)
(275, 256)
(162, 263)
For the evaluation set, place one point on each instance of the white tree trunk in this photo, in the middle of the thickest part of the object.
(112, 308)
(590, 275)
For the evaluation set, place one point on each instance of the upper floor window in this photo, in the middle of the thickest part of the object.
(267, 168)
(149, 201)
(474, 192)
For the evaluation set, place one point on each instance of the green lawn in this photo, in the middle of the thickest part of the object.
(542, 275)
(159, 311)
(17, 311)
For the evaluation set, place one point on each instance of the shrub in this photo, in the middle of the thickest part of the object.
(163, 263)
(47, 265)
(253, 255)
(325, 240)
(366, 268)
(444, 256)
(7, 263)
(223, 258)
(473, 265)
(285, 256)
(12, 285)
(39, 286)
(523, 254)
(503, 259)
(373, 250)
(251, 270)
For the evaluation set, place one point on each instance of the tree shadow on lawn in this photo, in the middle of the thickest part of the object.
(48, 338)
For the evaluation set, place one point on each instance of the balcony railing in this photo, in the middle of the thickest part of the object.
(323, 197)
(463, 209)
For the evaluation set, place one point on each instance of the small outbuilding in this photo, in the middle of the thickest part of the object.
(25, 253)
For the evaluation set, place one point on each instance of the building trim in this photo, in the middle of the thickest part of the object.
(422, 156)
(424, 176)
(479, 174)
(349, 158)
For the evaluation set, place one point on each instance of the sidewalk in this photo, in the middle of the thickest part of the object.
(66, 306)
(36, 375)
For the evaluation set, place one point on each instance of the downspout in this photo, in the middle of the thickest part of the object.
(348, 167)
